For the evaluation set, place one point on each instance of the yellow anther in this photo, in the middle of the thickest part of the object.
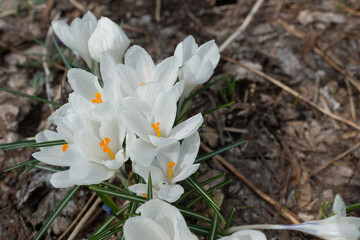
(97, 98)
(156, 128)
(171, 164)
(144, 195)
(104, 144)
(142, 83)
(65, 147)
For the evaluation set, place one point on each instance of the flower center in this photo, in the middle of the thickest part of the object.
(104, 144)
(65, 147)
(171, 164)
(144, 195)
(156, 128)
(97, 98)
(142, 83)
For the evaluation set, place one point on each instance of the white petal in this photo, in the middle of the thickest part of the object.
(86, 173)
(188, 127)
(170, 193)
(160, 212)
(135, 122)
(149, 92)
(52, 155)
(108, 37)
(61, 179)
(246, 235)
(157, 175)
(142, 152)
(185, 173)
(209, 51)
(84, 83)
(137, 228)
(189, 150)
(139, 188)
(167, 153)
(186, 49)
(138, 59)
(166, 72)
(107, 64)
(339, 206)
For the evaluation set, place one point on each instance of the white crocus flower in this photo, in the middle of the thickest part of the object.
(158, 221)
(337, 227)
(108, 37)
(174, 163)
(153, 124)
(96, 154)
(76, 36)
(198, 63)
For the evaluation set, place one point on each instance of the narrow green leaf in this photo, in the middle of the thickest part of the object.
(57, 211)
(114, 187)
(218, 151)
(29, 168)
(230, 219)
(108, 201)
(48, 169)
(209, 191)
(92, 69)
(348, 208)
(20, 165)
(217, 108)
(126, 196)
(67, 65)
(30, 143)
(183, 115)
(213, 229)
(194, 215)
(31, 97)
(149, 187)
(105, 226)
(204, 231)
(185, 195)
(107, 235)
(194, 184)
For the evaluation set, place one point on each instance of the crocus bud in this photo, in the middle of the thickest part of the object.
(108, 37)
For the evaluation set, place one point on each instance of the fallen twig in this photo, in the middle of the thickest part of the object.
(320, 52)
(346, 8)
(294, 93)
(243, 26)
(289, 215)
(340, 156)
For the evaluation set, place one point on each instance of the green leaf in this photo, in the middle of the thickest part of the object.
(48, 169)
(213, 230)
(30, 143)
(230, 219)
(183, 115)
(126, 196)
(348, 208)
(209, 191)
(218, 151)
(67, 65)
(202, 184)
(31, 97)
(113, 186)
(149, 187)
(189, 213)
(20, 165)
(108, 201)
(204, 231)
(217, 108)
(194, 184)
(29, 168)
(106, 225)
(57, 211)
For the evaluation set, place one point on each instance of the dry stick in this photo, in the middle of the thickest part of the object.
(84, 219)
(292, 217)
(78, 5)
(346, 8)
(157, 10)
(294, 93)
(351, 101)
(301, 35)
(243, 26)
(325, 165)
(78, 216)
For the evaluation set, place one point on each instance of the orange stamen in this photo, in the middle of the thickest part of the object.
(105, 146)
(142, 83)
(171, 164)
(65, 147)
(156, 128)
(144, 195)
(97, 98)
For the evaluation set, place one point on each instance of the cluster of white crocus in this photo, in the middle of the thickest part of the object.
(136, 99)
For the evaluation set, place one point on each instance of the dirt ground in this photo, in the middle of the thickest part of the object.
(311, 46)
